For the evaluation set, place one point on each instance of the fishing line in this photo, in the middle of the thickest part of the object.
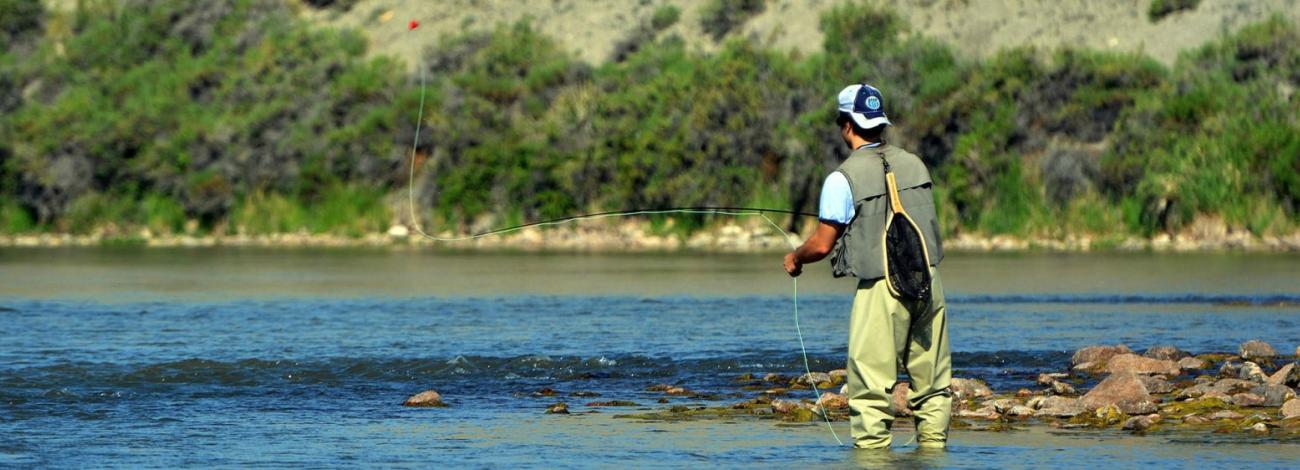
(703, 210)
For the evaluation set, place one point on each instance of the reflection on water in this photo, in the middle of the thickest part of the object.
(126, 274)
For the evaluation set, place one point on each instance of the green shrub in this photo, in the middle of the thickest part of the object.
(720, 17)
(664, 17)
(1161, 8)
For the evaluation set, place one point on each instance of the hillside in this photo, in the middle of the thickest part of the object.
(976, 28)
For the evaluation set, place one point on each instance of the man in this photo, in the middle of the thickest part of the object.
(884, 332)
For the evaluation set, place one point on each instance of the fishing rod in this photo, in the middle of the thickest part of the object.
(700, 210)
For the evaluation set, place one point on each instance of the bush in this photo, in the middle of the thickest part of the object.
(1161, 8)
(18, 20)
(664, 17)
(720, 17)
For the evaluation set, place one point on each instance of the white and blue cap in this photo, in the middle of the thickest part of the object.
(865, 104)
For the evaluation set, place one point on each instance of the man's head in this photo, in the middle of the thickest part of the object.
(861, 114)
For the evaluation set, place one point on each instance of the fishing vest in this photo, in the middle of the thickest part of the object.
(859, 252)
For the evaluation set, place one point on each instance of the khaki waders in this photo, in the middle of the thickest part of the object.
(878, 336)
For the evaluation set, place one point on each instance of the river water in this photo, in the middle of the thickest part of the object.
(230, 357)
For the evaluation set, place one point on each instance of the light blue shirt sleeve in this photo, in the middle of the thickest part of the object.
(837, 200)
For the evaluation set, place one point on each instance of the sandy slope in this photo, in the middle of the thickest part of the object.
(591, 28)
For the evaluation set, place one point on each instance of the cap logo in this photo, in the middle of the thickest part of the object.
(873, 103)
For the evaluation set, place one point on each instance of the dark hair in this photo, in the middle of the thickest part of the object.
(871, 135)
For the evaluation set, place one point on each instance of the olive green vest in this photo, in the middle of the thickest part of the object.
(858, 252)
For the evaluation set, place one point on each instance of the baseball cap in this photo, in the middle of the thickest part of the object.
(865, 104)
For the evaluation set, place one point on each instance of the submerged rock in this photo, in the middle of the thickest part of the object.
(1122, 390)
(1060, 407)
(1141, 365)
(1168, 353)
(1256, 348)
(1141, 423)
(558, 409)
(1098, 353)
(963, 389)
(1192, 363)
(425, 399)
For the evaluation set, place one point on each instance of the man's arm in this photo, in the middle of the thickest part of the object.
(814, 248)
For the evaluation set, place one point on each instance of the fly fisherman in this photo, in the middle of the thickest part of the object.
(888, 332)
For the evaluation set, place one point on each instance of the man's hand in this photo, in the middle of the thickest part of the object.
(814, 248)
(792, 265)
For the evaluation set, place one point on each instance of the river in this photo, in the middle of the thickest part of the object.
(137, 357)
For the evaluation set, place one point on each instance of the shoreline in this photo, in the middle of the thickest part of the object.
(638, 237)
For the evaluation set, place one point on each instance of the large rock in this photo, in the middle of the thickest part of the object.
(1062, 388)
(1274, 395)
(963, 389)
(839, 376)
(1255, 348)
(1247, 400)
(1252, 372)
(1221, 388)
(833, 401)
(986, 412)
(1156, 385)
(1098, 353)
(1060, 407)
(1123, 390)
(1141, 365)
(1283, 376)
(820, 379)
(425, 399)
(1192, 363)
(1291, 409)
(1168, 353)
(1141, 423)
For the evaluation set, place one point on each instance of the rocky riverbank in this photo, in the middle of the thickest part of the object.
(1251, 391)
(633, 235)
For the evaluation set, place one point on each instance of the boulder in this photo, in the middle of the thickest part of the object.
(1123, 390)
(1255, 348)
(1283, 376)
(899, 399)
(1098, 353)
(1259, 428)
(1225, 414)
(1192, 363)
(677, 391)
(558, 409)
(1196, 420)
(784, 406)
(1291, 409)
(1247, 400)
(1062, 388)
(839, 376)
(1003, 405)
(1141, 365)
(1156, 384)
(1061, 407)
(658, 388)
(986, 412)
(1049, 379)
(1020, 411)
(1167, 353)
(1141, 423)
(820, 379)
(1252, 372)
(963, 389)
(775, 378)
(1229, 369)
(425, 399)
(1274, 395)
(833, 401)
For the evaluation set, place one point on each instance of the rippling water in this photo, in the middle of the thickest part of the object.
(155, 370)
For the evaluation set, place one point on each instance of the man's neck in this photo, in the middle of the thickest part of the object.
(858, 142)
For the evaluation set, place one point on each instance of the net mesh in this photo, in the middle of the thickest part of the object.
(909, 272)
